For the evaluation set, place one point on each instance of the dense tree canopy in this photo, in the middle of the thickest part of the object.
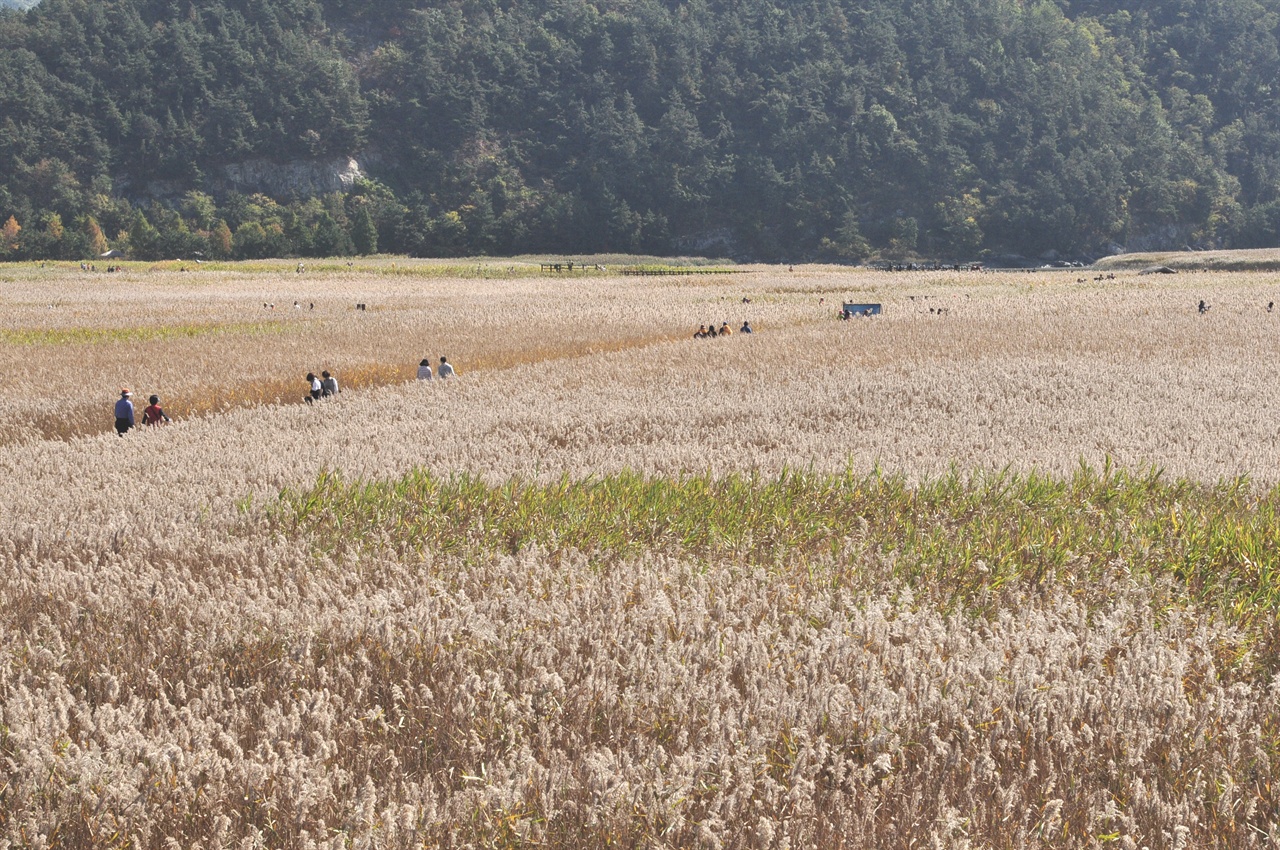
(803, 129)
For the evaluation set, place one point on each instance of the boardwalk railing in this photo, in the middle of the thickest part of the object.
(571, 266)
(678, 271)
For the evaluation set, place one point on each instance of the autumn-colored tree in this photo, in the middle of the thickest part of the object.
(54, 228)
(97, 240)
(50, 242)
(220, 240)
(9, 234)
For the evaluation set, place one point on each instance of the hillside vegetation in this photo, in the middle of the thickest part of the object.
(824, 129)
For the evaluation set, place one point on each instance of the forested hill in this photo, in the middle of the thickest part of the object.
(766, 129)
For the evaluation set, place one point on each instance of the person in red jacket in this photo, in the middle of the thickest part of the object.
(153, 414)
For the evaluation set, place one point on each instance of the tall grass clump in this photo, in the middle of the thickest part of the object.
(960, 537)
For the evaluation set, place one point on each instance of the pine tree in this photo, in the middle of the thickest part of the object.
(330, 239)
(364, 234)
(144, 238)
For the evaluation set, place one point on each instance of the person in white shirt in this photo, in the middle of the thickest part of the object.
(445, 370)
(424, 370)
(314, 384)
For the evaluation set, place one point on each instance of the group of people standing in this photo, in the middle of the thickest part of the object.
(152, 414)
(444, 371)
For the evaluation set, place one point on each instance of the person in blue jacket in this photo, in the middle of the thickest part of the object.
(124, 411)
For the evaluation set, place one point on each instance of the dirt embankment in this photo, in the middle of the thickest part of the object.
(1250, 260)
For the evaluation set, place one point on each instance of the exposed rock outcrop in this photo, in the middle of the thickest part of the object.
(284, 181)
(289, 181)
(1168, 237)
(720, 241)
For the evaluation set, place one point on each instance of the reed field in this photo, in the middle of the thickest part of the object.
(994, 569)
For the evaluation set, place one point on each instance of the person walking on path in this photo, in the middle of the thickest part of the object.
(124, 411)
(424, 370)
(445, 371)
(328, 386)
(153, 414)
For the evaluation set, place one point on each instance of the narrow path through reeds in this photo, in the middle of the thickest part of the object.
(213, 399)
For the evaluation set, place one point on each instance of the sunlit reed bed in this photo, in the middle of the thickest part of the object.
(993, 569)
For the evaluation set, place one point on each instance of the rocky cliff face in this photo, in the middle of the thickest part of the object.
(1168, 237)
(284, 181)
(291, 180)
(719, 242)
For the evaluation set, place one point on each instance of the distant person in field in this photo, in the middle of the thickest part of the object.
(124, 411)
(701, 332)
(746, 328)
(328, 385)
(445, 371)
(1204, 308)
(424, 370)
(725, 330)
(153, 414)
(313, 385)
